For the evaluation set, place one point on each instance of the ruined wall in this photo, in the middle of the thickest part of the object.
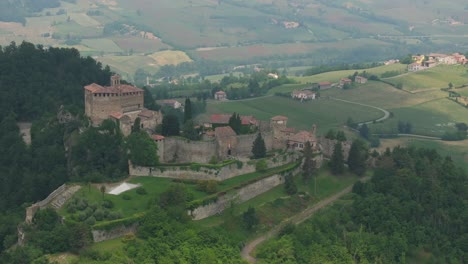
(244, 194)
(328, 146)
(203, 173)
(185, 150)
(102, 235)
(30, 211)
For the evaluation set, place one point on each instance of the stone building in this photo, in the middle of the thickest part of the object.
(120, 102)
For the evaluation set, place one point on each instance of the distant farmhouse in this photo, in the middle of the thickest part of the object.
(220, 95)
(303, 95)
(360, 79)
(122, 103)
(171, 103)
(421, 62)
(325, 85)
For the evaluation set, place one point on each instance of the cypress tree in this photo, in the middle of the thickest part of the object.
(357, 157)
(336, 161)
(259, 148)
(187, 110)
(309, 164)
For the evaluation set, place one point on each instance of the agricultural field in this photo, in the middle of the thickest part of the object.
(250, 52)
(170, 57)
(324, 113)
(433, 78)
(432, 118)
(383, 95)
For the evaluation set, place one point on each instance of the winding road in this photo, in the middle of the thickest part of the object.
(384, 117)
(296, 219)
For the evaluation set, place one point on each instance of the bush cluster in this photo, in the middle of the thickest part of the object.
(81, 210)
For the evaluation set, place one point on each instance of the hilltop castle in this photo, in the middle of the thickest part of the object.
(120, 102)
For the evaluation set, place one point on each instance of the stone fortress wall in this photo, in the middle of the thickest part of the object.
(181, 150)
(204, 173)
(239, 196)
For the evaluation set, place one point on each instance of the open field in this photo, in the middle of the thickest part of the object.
(335, 76)
(432, 118)
(383, 95)
(437, 77)
(140, 45)
(170, 57)
(104, 45)
(242, 53)
(324, 113)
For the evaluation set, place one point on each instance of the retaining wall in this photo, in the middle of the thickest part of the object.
(102, 235)
(226, 172)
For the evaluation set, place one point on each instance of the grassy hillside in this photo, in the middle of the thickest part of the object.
(324, 113)
(437, 77)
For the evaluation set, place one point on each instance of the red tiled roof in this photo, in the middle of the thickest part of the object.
(220, 92)
(122, 88)
(279, 118)
(302, 137)
(157, 137)
(222, 132)
(117, 115)
(248, 120)
(220, 119)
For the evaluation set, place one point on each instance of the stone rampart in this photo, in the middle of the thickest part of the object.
(239, 196)
(102, 235)
(31, 211)
(175, 149)
(204, 173)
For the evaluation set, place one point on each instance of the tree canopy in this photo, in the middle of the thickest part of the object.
(258, 147)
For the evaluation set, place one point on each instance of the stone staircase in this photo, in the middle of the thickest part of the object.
(62, 198)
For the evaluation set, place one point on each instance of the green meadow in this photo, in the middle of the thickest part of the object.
(324, 113)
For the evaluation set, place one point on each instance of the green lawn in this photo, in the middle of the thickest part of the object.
(437, 77)
(324, 113)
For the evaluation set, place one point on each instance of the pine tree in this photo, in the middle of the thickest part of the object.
(308, 167)
(258, 147)
(357, 157)
(187, 110)
(336, 161)
(340, 136)
(136, 125)
(364, 131)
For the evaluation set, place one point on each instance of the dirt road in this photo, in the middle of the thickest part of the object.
(296, 219)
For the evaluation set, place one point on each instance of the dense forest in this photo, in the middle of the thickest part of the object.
(416, 202)
(34, 83)
(35, 80)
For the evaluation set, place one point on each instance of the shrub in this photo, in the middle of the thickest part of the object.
(90, 221)
(126, 197)
(141, 191)
(99, 214)
(108, 204)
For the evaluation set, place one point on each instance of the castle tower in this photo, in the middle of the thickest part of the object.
(115, 80)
